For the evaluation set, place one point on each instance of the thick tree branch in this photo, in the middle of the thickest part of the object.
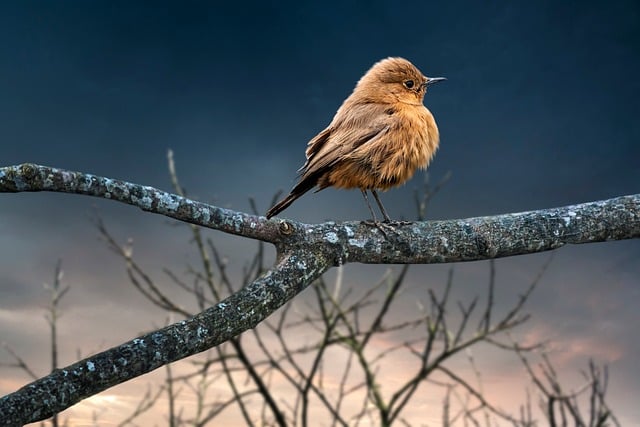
(422, 242)
(30, 177)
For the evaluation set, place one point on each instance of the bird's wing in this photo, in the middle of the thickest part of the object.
(364, 124)
(315, 145)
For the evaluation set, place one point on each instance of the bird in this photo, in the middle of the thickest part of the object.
(381, 134)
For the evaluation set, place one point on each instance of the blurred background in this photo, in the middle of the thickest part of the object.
(539, 110)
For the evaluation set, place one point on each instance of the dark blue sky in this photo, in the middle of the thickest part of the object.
(539, 110)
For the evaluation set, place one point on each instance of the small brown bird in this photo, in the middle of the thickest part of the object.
(378, 138)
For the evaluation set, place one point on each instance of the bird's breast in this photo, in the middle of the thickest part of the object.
(411, 143)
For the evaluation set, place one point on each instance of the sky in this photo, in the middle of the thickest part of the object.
(539, 110)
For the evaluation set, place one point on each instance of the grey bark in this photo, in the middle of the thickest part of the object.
(305, 251)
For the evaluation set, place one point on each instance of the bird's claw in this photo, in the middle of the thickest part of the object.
(382, 226)
(395, 223)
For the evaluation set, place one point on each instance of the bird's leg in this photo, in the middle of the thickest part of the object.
(384, 212)
(381, 206)
(366, 199)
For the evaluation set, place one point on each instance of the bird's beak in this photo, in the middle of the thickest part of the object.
(432, 80)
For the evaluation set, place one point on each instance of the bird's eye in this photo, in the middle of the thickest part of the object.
(408, 84)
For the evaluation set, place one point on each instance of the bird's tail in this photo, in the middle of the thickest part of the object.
(283, 204)
(305, 184)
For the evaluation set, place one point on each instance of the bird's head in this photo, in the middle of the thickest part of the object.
(395, 79)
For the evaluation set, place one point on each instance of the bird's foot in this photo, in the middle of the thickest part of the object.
(395, 223)
(382, 226)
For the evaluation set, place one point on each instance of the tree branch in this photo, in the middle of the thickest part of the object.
(424, 242)
(30, 177)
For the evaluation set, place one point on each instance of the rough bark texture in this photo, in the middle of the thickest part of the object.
(305, 251)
